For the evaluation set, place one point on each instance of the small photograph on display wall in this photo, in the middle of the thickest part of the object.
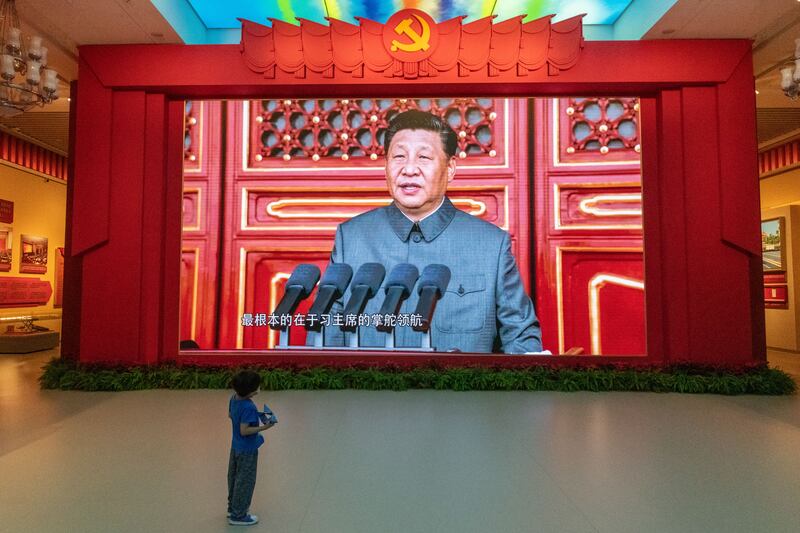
(773, 245)
(5, 249)
(34, 255)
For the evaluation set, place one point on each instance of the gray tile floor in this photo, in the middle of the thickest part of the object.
(416, 461)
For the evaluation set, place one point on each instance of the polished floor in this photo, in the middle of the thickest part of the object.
(415, 461)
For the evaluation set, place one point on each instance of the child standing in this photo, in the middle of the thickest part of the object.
(244, 447)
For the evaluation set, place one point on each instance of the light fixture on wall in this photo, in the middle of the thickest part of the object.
(25, 80)
(790, 75)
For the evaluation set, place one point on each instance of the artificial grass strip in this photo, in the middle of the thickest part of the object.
(67, 375)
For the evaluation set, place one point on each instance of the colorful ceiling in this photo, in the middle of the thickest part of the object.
(215, 21)
(216, 14)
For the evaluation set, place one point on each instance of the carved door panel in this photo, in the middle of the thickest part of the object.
(589, 260)
(202, 199)
(297, 168)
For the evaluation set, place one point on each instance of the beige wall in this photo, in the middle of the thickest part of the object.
(778, 194)
(40, 208)
(781, 189)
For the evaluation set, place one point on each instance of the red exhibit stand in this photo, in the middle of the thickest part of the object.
(704, 300)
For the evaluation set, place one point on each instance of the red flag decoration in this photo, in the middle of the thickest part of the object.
(317, 48)
(535, 45)
(566, 41)
(376, 57)
(289, 54)
(476, 41)
(412, 45)
(258, 48)
(348, 55)
(445, 56)
(504, 50)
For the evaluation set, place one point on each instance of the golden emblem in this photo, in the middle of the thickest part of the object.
(418, 41)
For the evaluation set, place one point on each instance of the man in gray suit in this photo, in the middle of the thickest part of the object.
(485, 308)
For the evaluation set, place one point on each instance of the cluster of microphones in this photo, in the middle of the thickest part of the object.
(364, 286)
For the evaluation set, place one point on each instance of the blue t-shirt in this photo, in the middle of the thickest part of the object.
(244, 412)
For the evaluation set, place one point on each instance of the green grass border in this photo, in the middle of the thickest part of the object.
(66, 375)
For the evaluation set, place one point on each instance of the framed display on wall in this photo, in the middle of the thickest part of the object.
(773, 244)
(6, 238)
(33, 259)
(776, 296)
(6, 211)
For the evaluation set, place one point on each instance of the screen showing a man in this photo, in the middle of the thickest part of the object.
(485, 307)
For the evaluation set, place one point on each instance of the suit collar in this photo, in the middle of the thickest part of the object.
(430, 227)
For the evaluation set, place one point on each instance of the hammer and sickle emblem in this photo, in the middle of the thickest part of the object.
(418, 42)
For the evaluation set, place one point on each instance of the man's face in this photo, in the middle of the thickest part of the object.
(418, 171)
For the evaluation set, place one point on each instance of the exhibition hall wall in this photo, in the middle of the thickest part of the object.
(780, 198)
(39, 211)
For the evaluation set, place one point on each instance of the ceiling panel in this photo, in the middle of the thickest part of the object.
(215, 14)
(48, 129)
(720, 19)
(774, 122)
(66, 24)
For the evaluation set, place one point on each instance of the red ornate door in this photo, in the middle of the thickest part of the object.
(589, 262)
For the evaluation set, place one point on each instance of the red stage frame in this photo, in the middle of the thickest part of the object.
(699, 164)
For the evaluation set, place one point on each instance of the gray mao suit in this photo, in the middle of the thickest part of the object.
(485, 308)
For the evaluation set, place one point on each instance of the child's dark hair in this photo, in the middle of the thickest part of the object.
(414, 119)
(245, 382)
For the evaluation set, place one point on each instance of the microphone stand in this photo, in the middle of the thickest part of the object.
(390, 341)
(352, 339)
(283, 338)
(426, 340)
(317, 338)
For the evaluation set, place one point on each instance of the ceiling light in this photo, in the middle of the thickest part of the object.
(790, 74)
(25, 80)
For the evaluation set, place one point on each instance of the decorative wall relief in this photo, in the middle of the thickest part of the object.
(412, 45)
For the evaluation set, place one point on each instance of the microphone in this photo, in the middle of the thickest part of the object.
(298, 288)
(332, 286)
(398, 288)
(366, 284)
(432, 284)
